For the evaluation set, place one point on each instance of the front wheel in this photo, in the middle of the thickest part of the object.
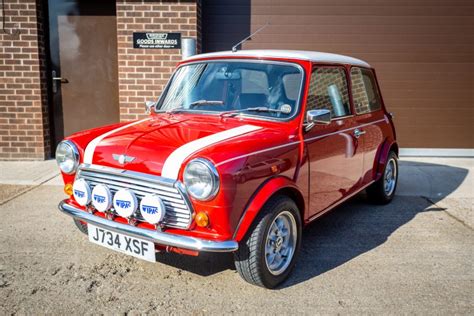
(267, 254)
(383, 190)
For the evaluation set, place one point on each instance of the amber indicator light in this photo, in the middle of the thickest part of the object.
(68, 189)
(201, 219)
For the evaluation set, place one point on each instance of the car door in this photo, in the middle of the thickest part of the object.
(334, 155)
(369, 115)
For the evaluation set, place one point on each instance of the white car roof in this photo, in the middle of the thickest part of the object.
(291, 54)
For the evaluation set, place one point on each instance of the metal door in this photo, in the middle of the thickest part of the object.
(83, 54)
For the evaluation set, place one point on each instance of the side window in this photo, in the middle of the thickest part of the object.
(364, 91)
(328, 90)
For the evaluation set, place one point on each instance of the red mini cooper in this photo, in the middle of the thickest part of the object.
(240, 152)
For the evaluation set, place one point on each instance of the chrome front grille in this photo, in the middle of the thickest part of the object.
(178, 207)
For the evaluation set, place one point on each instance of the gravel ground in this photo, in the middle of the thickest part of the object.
(412, 256)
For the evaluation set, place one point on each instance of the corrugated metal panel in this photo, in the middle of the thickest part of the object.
(422, 51)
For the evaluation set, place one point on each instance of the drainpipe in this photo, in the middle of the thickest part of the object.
(188, 47)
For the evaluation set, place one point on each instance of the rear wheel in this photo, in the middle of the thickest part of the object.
(383, 190)
(81, 226)
(267, 254)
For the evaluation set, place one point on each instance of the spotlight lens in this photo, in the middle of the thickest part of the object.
(101, 198)
(152, 209)
(82, 192)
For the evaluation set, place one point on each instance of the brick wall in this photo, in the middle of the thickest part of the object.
(23, 98)
(143, 73)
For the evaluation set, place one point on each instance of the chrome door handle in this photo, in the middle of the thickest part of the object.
(55, 81)
(358, 133)
(62, 80)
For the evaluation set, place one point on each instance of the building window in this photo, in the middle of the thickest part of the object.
(328, 90)
(364, 91)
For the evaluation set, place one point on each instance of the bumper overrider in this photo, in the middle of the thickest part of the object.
(157, 237)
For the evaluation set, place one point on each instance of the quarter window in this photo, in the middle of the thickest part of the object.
(364, 91)
(328, 90)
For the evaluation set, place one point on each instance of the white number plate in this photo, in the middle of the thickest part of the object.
(132, 246)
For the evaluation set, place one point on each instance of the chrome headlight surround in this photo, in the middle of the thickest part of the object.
(67, 157)
(201, 179)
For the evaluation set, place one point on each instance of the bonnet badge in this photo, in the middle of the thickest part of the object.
(122, 159)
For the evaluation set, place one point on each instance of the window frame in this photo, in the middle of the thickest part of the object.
(377, 90)
(349, 89)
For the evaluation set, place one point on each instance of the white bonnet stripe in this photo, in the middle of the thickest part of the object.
(90, 149)
(174, 161)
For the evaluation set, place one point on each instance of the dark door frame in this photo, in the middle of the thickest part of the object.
(49, 93)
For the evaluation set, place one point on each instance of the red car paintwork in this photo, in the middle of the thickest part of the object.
(280, 157)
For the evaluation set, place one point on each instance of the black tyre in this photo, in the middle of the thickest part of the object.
(383, 190)
(82, 226)
(267, 254)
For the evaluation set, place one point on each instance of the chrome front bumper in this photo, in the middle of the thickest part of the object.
(157, 237)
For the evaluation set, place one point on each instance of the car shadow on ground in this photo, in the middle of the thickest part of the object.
(350, 230)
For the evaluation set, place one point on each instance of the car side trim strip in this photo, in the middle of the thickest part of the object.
(296, 142)
(256, 153)
(344, 130)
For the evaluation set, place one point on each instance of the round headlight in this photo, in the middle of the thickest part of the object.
(67, 157)
(201, 179)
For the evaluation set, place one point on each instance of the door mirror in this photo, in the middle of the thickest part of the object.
(314, 117)
(149, 105)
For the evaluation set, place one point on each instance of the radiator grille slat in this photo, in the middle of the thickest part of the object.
(177, 200)
(178, 208)
(132, 183)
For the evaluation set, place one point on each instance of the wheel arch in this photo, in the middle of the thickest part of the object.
(295, 195)
(394, 147)
(268, 190)
(386, 148)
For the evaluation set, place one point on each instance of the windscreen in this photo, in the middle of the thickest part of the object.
(235, 86)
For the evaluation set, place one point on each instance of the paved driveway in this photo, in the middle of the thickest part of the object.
(412, 256)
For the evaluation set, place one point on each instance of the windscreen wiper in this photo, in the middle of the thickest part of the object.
(206, 102)
(195, 103)
(254, 109)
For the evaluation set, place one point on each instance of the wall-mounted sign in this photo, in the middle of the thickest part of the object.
(157, 40)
